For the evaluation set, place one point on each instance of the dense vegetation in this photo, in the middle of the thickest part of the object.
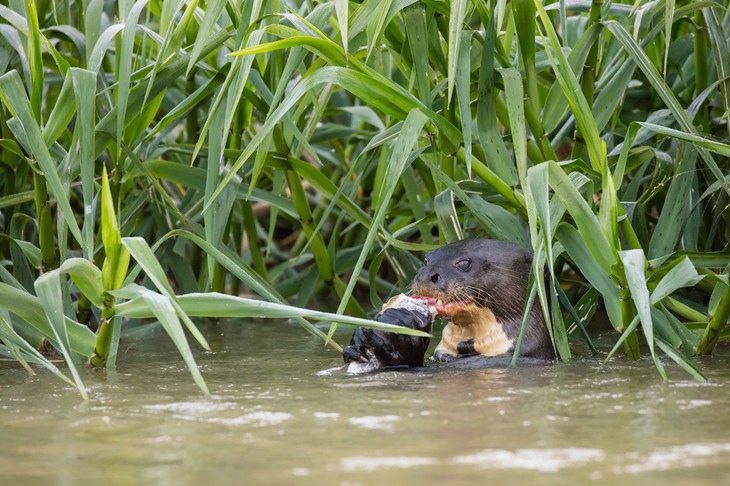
(294, 149)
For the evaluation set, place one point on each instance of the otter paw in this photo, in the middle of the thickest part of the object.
(354, 354)
(360, 350)
(406, 318)
(383, 349)
(443, 357)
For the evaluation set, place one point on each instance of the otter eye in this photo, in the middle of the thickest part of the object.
(463, 265)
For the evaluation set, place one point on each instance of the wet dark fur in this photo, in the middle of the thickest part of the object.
(492, 274)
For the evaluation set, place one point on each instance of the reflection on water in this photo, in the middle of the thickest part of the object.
(272, 419)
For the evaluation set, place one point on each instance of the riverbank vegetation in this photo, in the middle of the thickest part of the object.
(159, 158)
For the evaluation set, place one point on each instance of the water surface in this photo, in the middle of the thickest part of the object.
(272, 419)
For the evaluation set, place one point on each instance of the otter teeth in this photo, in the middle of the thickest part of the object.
(439, 302)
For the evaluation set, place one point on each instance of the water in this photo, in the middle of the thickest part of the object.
(273, 420)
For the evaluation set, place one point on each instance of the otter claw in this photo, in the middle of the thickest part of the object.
(442, 357)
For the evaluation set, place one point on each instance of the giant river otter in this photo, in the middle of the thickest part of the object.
(479, 288)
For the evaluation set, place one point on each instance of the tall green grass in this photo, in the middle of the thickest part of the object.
(158, 153)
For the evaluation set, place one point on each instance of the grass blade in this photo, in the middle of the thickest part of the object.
(578, 251)
(84, 83)
(125, 66)
(142, 253)
(702, 142)
(166, 312)
(414, 18)
(463, 92)
(213, 11)
(682, 274)
(48, 289)
(456, 19)
(87, 278)
(633, 261)
(588, 224)
(342, 9)
(212, 304)
(20, 347)
(35, 58)
(14, 98)
(681, 360)
(677, 207)
(443, 205)
(573, 93)
(515, 106)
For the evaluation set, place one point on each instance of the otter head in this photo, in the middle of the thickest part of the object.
(464, 278)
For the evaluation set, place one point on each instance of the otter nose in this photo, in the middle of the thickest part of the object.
(435, 277)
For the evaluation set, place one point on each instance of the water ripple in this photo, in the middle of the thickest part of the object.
(365, 463)
(667, 458)
(544, 460)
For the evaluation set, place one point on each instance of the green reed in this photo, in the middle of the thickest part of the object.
(298, 150)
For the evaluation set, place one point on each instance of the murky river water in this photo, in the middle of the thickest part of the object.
(273, 420)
